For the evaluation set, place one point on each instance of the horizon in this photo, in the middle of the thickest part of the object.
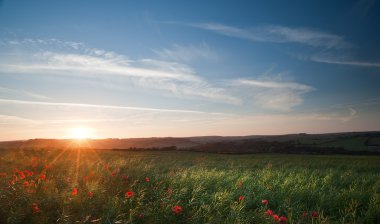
(198, 136)
(137, 69)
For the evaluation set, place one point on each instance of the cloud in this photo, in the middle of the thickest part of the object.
(14, 92)
(332, 60)
(278, 34)
(40, 103)
(77, 60)
(276, 95)
(187, 53)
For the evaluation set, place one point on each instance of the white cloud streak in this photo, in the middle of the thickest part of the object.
(330, 60)
(40, 103)
(149, 73)
(277, 95)
(278, 34)
(16, 92)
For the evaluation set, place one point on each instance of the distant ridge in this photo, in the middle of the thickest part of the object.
(329, 143)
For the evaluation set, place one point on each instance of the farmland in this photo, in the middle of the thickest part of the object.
(94, 186)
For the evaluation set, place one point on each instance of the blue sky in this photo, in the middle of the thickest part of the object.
(187, 68)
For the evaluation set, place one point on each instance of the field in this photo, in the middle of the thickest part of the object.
(86, 186)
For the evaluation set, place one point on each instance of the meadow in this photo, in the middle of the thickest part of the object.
(87, 186)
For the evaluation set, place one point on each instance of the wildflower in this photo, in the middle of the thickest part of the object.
(283, 219)
(304, 214)
(170, 191)
(26, 184)
(90, 194)
(85, 179)
(129, 194)
(147, 179)
(265, 202)
(74, 192)
(177, 209)
(241, 198)
(276, 218)
(269, 212)
(140, 216)
(314, 214)
(21, 175)
(35, 208)
(42, 176)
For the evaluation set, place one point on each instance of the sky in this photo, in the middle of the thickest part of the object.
(124, 69)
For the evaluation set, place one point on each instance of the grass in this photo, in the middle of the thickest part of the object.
(340, 189)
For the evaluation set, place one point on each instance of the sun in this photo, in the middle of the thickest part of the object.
(80, 133)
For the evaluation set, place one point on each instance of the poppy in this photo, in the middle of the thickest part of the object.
(74, 192)
(304, 214)
(177, 209)
(170, 191)
(147, 179)
(241, 198)
(21, 175)
(269, 212)
(314, 214)
(283, 219)
(276, 218)
(129, 194)
(26, 183)
(42, 176)
(141, 216)
(265, 202)
(35, 208)
(90, 194)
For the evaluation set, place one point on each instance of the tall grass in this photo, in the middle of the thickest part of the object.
(208, 187)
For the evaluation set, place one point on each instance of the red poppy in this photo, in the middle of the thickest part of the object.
(276, 218)
(265, 202)
(26, 183)
(241, 198)
(129, 194)
(314, 214)
(90, 194)
(21, 175)
(177, 209)
(141, 216)
(304, 214)
(42, 176)
(269, 212)
(147, 179)
(74, 192)
(283, 219)
(35, 208)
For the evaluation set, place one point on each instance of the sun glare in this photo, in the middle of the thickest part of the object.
(80, 133)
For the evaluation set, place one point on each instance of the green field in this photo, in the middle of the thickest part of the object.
(84, 186)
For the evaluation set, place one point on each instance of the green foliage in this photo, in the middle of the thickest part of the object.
(341, 189)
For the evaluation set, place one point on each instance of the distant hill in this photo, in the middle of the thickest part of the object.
(330, 143)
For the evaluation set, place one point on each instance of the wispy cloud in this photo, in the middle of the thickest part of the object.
(169, 76)
(332, 60)
(83, 105)
(277, 34)
(277, 94)
(187, 53)
(15, 92)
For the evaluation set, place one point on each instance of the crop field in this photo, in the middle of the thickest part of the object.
(87, 186)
